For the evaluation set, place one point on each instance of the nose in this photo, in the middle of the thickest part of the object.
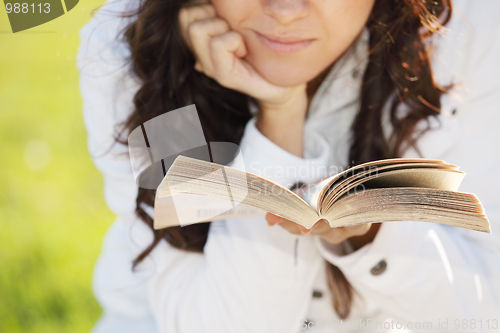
(286, 11)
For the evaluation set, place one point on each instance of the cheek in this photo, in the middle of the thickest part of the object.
(234, 11)
(290, 70)
(343, 23)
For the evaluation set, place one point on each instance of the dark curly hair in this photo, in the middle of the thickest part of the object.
(398, 64)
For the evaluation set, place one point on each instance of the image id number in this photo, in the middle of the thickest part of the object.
(25, 8)
(472, 324)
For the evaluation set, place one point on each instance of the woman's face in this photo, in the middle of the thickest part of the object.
(292, 41)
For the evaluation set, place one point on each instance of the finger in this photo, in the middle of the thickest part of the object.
(198, 67)
(273, 219)
(321, 227)
(288, 225)
(303, 230)
(241, 51)
(338, 235)
(291, 227)
(358, 230)
(201, 33)
(223, 48)
(188, 15)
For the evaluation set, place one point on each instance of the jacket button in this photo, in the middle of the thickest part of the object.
(379, 268)
(317, 294)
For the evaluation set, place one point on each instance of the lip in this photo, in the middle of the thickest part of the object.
(284, 44)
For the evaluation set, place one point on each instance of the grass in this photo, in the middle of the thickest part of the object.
(52, 211)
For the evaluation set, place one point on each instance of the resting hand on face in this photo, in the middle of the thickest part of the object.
(219, 53)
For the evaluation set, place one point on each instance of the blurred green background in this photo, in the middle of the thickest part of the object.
(52, 211)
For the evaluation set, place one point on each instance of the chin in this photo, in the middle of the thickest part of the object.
(283, 74)
(284, 79)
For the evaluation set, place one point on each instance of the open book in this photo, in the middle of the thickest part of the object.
(196, 191)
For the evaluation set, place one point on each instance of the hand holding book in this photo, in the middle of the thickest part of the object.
(322, 228)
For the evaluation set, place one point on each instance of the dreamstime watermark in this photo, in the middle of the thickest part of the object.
(362, 324)
(374, 325)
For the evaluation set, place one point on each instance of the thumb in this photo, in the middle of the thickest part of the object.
(241, 51)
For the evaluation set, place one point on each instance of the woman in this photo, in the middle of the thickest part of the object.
(297, 84)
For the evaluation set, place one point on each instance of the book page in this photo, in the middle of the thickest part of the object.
(410, 204)
(425, 178)
(339, 184)
(194, 186)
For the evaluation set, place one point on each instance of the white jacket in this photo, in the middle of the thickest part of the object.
(253, 278)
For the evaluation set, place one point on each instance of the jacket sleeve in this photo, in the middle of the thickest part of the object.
(421, 271)
(107, 92)
(107, 87)
(249, 273)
